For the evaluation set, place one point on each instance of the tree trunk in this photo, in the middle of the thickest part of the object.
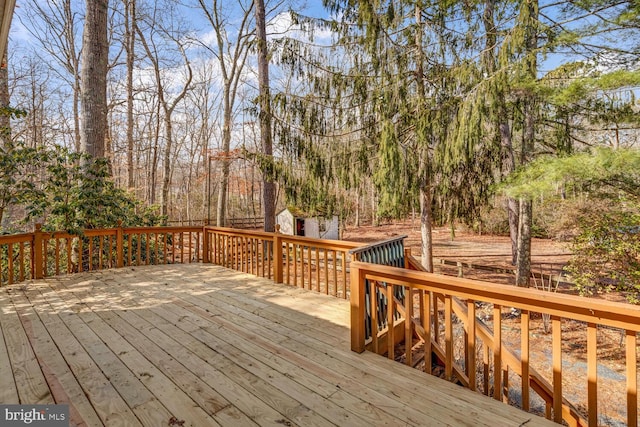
(425, 228)
(268, 188)
(129, 41)
(5, 119)
(508, 167)
(226, 161)
(523, 265)
(525, 219)
(95, 55)
(166, 182)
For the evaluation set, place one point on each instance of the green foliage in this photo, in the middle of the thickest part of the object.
(600, 170)
(18, 175)
(66, 191)
(607, 253)
(79, 194)
(388, 176)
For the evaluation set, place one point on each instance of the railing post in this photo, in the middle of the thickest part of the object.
(407, 254)
(357, 309)
(120, 245)
(205, 243)
(38, 259)
(277, 258)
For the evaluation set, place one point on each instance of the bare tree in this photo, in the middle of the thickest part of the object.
(231, 51)
(55, 27)
(167, 103)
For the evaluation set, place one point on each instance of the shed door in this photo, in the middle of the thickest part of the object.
(299, 226)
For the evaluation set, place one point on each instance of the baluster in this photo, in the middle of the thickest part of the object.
(80, 254)
(408, 325)
(344, 274)
(101, 249)
(309, 264)
(373, 287)
(471, 344)
(57, 252)
(592, 373)
(557, 367)
(326, 270)
(69, 254)
(21, 255)
(524, 358)
(391, 307)
(334, 258)
(426, 324)
(317, 250)
(632, 381)
(90, 243)
(10, 256)
(497, 352)
(448, 338)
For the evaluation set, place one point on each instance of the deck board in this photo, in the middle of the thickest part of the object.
(209, 346)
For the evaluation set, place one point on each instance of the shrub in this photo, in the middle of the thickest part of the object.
(607, 252)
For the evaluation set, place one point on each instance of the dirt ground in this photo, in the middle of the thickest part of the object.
(548, 257)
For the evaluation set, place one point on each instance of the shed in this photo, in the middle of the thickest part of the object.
(296, 223)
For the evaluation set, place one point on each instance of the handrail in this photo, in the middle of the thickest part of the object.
(510, 358)
(431, 289)
(314, 264)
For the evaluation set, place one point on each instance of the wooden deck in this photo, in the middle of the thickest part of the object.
(201, 345)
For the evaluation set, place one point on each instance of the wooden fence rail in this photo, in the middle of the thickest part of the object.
(43, 254)
(313, 264)
(437, 315)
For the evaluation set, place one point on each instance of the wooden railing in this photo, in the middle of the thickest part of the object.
(43, 254)
(436, 318)
(313, 264)
(16, 255)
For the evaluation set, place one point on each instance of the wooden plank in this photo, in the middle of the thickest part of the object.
(100, 373)
(8, 389)
(270, 355)
(30, 381)
(154, 378)
(63, 384)
(258, 399)
(311, 390)
(344, 371)
(173, 368)
(254, 361)
(227, 415)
